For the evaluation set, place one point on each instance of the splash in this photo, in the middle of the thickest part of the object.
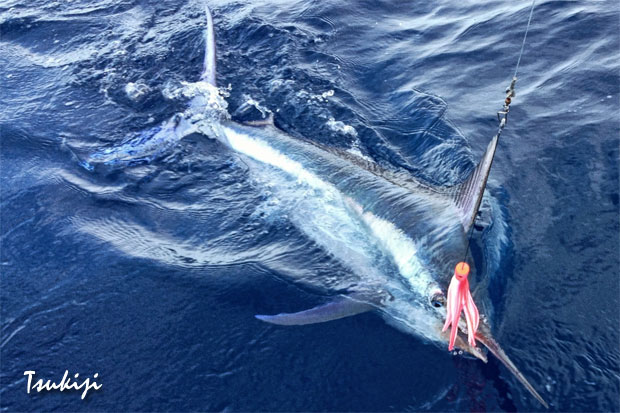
(341, 127)
(250, 102)
(206, 100)
(207, 105)
(135, 91)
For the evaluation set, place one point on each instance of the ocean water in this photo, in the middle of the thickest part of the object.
(150, 273)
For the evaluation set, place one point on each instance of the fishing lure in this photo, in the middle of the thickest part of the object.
(459, 299)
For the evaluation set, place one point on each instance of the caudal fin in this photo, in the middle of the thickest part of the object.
(468, 195)
(208, 72)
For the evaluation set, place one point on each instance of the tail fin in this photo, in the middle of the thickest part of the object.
(208, 73)
(468, 195)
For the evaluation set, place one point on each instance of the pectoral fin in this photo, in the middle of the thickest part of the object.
(341, 307)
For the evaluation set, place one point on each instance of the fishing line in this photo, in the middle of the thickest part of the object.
(527, 29)
(502, 115)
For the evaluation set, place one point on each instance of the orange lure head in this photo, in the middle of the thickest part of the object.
(461, 271)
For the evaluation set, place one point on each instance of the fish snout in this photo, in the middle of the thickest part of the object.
(484, 336)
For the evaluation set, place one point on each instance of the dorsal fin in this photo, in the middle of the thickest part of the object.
(400, 178)
(468, 195)
(208, 72)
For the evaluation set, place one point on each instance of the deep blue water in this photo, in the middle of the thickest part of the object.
(151, 274)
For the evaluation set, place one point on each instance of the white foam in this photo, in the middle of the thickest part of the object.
(341, 127)
(136, 90)
(249, 101)
(355, 150)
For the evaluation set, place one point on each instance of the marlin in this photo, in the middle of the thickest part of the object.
(399, 236)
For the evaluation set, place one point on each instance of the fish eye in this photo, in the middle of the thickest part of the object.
(438, 300)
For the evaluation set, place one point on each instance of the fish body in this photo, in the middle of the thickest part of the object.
(399, 237)
(405, 239)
